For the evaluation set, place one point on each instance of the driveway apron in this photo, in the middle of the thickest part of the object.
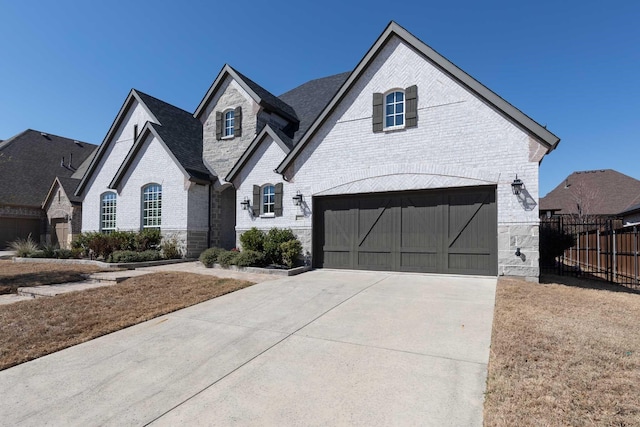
(327, 347)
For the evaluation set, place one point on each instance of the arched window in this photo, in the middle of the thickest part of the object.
(229, 123)
(394, 109)
(108, 212)
(152, 206)
(268, 200)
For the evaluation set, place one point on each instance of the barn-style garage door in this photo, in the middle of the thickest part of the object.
(18, 228)
(443, 231)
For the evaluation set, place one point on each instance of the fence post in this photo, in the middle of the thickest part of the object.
(635, 254)
(598, 248)
(615, 266)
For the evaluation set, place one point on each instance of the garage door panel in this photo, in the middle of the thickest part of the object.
(442, 231)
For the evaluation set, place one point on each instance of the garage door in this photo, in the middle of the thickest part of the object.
(14, 228)
(452, 231)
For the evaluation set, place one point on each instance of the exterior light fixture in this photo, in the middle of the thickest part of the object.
(297, 199)
(516, 186)
(245, 203)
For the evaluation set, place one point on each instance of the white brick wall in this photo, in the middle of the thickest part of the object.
(459, 141)
(121, 143)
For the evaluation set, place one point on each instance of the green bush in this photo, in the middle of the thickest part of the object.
(38, 254)
(210, 256)
(24, 247)
(148, 238)
(170, 249)
(81, 242)
(291, 251)
(49, 251)
(63, 253)
(227, 258)
(133, 256)
(274, 238)
(252, 240)
(249, 259)
(122, 240)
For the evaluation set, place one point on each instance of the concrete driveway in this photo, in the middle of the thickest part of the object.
(323, 348)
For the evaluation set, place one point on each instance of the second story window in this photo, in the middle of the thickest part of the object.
(394, 110)
(229, 122)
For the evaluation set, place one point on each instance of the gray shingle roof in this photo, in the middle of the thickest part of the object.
(597, 192)
(309, 99)
(181, 132)
(30, 161)
(69, 186)
(271, 101)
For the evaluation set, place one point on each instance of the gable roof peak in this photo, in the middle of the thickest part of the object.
(259, 94)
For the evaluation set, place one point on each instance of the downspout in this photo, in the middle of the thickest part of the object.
(209, 216)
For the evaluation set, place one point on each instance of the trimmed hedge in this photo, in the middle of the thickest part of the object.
(252, 240)
(209, 256)
(249, 259)
(272, 244)
(133, 256)
(227, 258)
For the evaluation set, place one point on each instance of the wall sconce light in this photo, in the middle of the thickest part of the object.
(516, 186)
(297, 199)
(245, 203)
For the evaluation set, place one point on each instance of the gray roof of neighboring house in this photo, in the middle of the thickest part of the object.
(30, 161)
(181, 132)
(309, 99)
(596, 192)
(631, 209)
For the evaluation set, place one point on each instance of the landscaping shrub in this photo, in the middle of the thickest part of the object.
(24, 247)
(81, 242)
(274, 238)
(252, 240)
(133, 256)
(38, 254)
(63, 253)
(249, 258)
(291, 251)
(170, 250)
(209, 256)
(49, 251)
(122, 240)
(227, 258)
(148, 238)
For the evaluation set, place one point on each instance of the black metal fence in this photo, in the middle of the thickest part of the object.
(599, 248)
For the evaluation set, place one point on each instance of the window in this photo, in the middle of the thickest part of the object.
(229, 121)
(397, 109)
(268, 200)
(394, 110)
(108, 212)
(152, 206)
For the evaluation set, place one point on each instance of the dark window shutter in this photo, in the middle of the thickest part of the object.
(237, 122)
(278, 201)
(256, 201)
(378, 110)
(218, 125)
(411, 112)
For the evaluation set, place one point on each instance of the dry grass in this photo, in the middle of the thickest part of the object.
(564, 354)
(31, 329)
(14, 275)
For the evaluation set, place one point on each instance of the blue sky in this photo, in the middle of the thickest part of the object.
(67, 66)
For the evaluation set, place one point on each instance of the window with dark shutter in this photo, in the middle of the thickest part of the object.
(218, 125)
(377, 112)
(278, 201)
(238, 122)
(411, 115)
(256, 201)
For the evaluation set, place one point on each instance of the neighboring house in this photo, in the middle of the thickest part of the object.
(631, 215)
(406, 163)
(591, 194)
(29, 163)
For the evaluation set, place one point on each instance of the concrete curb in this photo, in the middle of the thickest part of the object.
(125, 265)
(260, 270)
